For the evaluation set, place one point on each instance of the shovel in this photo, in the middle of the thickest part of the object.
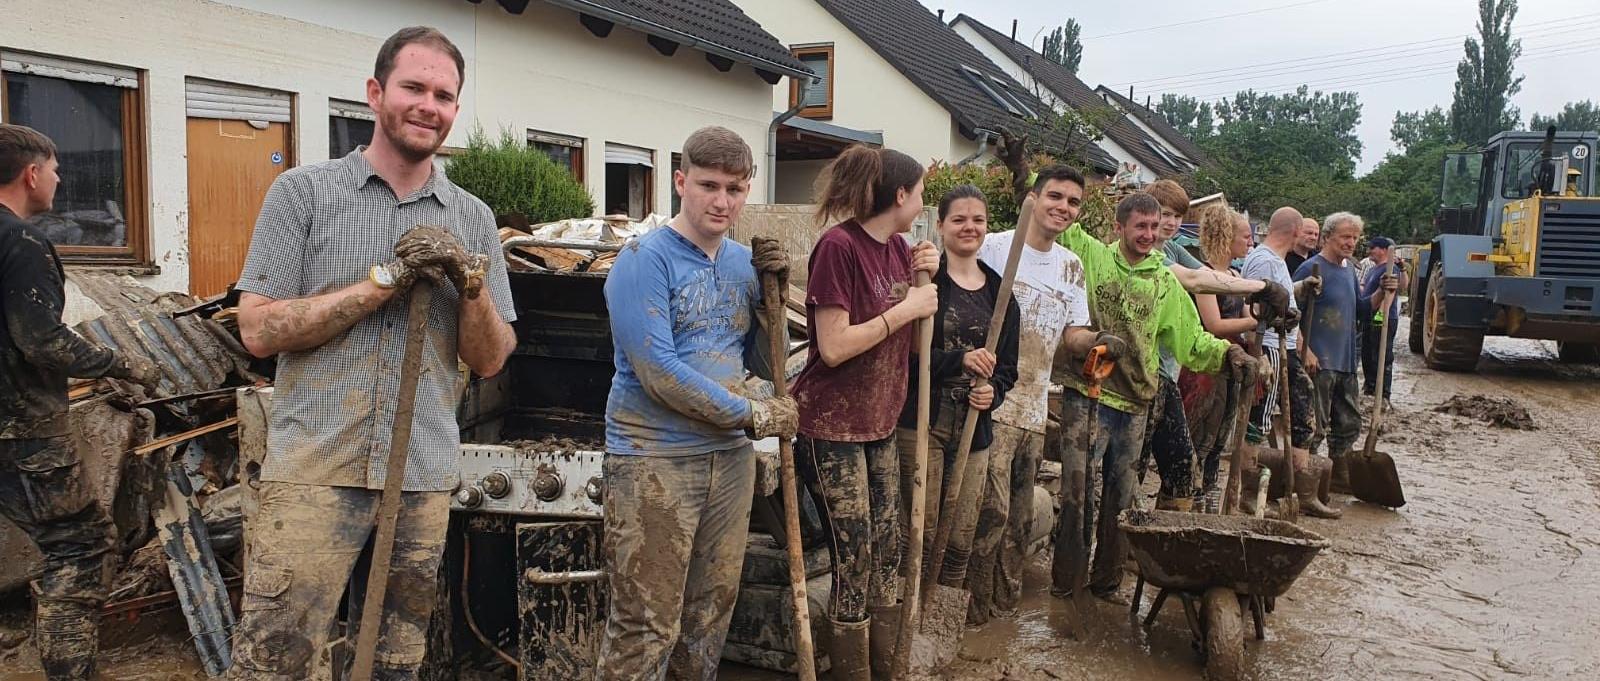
(919, 484)
(1096, 368)
(944, 608)
(1373, 477)
(1244, 395)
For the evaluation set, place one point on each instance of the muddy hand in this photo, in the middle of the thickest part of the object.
(1313, 285)
(430, 245)
(1272, 300)
(769, 257)
(136, 369)
(980, 362)
(774, 417)
(397, 275)
(925, 258)
(1239, 361)
(468, 276)
(1116, 348)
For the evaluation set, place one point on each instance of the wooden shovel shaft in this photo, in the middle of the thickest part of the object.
(805, 657)
(1383, 358)
(1241, 424)
(909, 611)
(969, 427)
(394, 480)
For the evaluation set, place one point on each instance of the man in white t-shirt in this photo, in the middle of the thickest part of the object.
(1049, 293)
(1266, 262)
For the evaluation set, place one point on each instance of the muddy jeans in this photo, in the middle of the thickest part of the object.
(1299, 398)
(1119, 437)
(1169, 441)
(1005, 521)
(675, 531)
(856, 486)
(43, 492)
(303, 543)
(944, 436)
(1337, 411)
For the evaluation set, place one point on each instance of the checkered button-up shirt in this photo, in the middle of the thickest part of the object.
(321, 229)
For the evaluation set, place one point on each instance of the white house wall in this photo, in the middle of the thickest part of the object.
(868, 93)
(539, 70)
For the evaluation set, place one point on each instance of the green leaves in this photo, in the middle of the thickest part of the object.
(515, 178)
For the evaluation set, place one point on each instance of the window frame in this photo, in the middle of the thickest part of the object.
(981, 81)
(135, 169)
(824, 111)
(573, 142)
(349, 110)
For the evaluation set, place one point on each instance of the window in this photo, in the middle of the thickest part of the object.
(630, 181)
(1012, 97)
(350, 125)
(1522, 169)
(818, 101)
(93, 114)
(677, 201)
(985, 83)
(565, 150)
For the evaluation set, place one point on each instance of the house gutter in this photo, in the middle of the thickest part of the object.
(651, 27)
(772, 136)
(983, 146)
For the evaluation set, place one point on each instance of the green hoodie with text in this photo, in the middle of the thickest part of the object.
(1146, 306)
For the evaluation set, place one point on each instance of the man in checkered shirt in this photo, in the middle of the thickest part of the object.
(335, 249)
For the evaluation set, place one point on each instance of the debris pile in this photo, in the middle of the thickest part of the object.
(1500, 412)
(587, 245)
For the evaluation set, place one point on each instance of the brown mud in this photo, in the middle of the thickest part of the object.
(1492, 571)
(1500, 412)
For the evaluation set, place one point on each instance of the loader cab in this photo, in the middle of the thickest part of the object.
(1476, 185)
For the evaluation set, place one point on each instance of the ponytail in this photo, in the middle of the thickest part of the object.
(863, 182)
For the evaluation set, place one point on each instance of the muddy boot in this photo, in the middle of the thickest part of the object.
(885, 634)
(1306, 487)
(68, 636)
(850, 652)
(1182, 504)
(1340, 483)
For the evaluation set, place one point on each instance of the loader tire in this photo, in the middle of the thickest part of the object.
(1446, 348)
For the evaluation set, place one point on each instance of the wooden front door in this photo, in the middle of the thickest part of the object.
(231, 166)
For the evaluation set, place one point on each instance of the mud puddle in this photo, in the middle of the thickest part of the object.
(1500, 412)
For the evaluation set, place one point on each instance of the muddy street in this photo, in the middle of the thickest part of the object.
(1492, 571)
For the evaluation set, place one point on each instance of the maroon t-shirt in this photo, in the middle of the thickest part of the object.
(859, 400)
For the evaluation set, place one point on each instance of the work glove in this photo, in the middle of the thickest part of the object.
(1239, 361)
(774, 417)
(136, 369)
(1272, 300)
(1312, 285)
(769, 257)
(468, 275)
(397, 275)
(1116, 348)
(430, 246)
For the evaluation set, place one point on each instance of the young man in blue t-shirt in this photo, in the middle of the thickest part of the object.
(1381, 251)
(685, 307)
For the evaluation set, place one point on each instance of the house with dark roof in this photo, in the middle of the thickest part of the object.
(1142, 156)
(890, 72)
(189, 129)
(1155, 124)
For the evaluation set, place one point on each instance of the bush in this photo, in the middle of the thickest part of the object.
(992, 179)
(517, 179)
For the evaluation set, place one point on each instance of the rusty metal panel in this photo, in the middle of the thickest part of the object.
(561, 624)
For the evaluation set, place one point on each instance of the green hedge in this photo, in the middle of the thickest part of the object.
(995, 181)
(517, 179)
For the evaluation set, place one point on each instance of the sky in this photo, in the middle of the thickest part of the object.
(1397, 55)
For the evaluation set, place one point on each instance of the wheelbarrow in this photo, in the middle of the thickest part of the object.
(1217, 566)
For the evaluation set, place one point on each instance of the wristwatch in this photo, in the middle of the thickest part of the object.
(382, 277)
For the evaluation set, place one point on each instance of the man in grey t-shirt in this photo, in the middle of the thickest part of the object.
(1265, 262)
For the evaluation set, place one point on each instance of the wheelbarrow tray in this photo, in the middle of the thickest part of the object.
(1195, 552)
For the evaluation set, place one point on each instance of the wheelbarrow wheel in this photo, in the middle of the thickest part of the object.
(1224, 632)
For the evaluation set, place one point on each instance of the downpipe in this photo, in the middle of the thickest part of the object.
(772, 136)
(984, 136)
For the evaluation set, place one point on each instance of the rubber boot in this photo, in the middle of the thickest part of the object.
(1182, 504)
(850, 651)
(885, 634)
(1340, 483)
(1306, 486)
(68, 636)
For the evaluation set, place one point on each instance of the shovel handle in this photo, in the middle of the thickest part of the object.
(1097, 366)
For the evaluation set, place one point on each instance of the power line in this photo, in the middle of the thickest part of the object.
(1523, 30)
(1375, 59)
(1206, 19)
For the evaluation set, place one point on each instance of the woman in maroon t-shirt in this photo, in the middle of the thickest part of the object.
(860, 303)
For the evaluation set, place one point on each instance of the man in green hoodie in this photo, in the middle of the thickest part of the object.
(1135, 297)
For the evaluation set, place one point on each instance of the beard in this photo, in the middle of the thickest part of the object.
(392, 125)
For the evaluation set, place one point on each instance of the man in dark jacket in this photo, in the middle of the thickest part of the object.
(41, 481)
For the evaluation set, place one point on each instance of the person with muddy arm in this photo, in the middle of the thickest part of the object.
(42, 486)
(860, 304)
(336, 249)
(1266, 262)
(969, 290)
(685, 307)
(1054, 311)
(1137, 298)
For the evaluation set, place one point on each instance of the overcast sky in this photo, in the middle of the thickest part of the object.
(1398, 55)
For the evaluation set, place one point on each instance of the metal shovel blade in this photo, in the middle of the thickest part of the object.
(1373, 479)
(944, 619)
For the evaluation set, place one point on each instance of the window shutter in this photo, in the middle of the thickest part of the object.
(622, 153)
(553, 138)
(66, 69)
(343, 109)
(818, 94)
(226, 101)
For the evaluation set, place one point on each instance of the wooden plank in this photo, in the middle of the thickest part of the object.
(170, 440)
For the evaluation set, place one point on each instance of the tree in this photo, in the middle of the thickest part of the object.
(1296, 149)
(515, 179)
(1064, 45)
(1485, 81)
(1584, 115)
(1190, 116)
(1420, 128)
